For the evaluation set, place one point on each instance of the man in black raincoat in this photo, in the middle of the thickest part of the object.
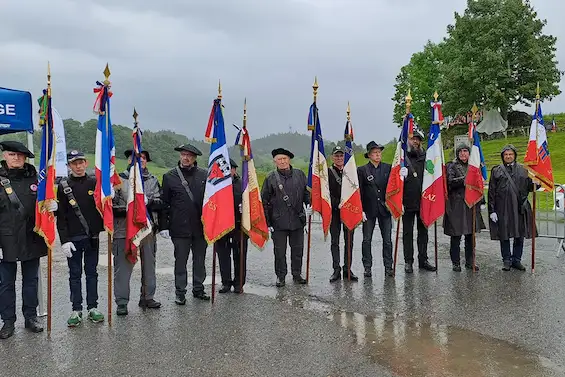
(458, 218)
(18, 241)
(509, 210)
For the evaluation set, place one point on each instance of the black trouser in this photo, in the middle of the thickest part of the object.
(296, 241)
(455, 249)
(385, 225)
(408, 238)
(231, 242)
(30, 281)
(182, 249)
(335, 230)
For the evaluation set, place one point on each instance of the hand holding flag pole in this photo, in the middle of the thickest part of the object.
(134, 160)
(314, 123)
(242, 250)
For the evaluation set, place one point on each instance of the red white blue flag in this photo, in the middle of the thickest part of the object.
(434, 186)
(350, 208)
(537, 159)
(477, 171)
(105, 156)
(395, 186)
(218, 216)
(44, 220)
(318, 183)
(138, 222)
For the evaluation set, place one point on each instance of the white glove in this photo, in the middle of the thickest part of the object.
(146, 200)
(494, 217)
(165, 234)
(308, 210)
(364, 217)
(271, 229)
(1, 254)
(52, 206)
(240, 209)
(483, 207)
(535, 181)
(404, 172)
(68, 248)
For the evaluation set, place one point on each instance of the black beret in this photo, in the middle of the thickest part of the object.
(129, 152)
(286, 152)
(188, 148)
(233, 164)
(75, 155)
(16, 146)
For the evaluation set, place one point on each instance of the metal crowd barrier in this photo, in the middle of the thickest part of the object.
(550, 215)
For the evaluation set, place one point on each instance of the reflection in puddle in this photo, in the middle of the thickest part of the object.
(419, 349)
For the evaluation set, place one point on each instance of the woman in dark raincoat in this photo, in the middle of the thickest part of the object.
(458, 218)
(509, 210)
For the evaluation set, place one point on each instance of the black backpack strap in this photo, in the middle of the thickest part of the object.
(185, 185)
(336, 176)
(12, 196)
(68, 191)
(281, 187)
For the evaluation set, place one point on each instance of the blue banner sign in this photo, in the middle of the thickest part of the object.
(15, 111)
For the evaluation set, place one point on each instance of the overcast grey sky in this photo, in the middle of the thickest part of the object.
(166, 58)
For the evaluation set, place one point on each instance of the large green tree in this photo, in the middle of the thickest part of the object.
(495, 54)
(422, 76)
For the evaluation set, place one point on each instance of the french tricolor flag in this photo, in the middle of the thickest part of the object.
(350, 208)
(318, 172)
(477, 171)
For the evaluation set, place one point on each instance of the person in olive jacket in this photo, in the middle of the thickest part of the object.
(286, 202)
(18, 240)
(231, 243)
(183, 197)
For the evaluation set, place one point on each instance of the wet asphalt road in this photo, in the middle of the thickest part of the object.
(491, 323)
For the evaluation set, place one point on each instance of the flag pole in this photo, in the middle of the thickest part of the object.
(241, 247)
(349, 232)
(436, 96)
(408, 105)
(214, 247)
(49, 249)
(107, 84)
(134, 157)
(474, 110)
(315, 122)
(534, 192)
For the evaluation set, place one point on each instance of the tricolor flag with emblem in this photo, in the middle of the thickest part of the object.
(395, 186)
(253, 221)
(553, 125)
(44, 220)
(477, 171)
(318, 183)
(105, 156)
(537, 159)
(350, 207)
(138, 222)
(218, 215)
(434, 187)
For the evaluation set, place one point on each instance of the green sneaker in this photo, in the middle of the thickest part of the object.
(75, 319)
(95, 316)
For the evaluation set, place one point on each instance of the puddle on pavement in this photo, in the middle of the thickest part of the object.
(431, 350)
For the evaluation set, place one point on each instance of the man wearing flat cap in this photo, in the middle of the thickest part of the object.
(230, 244)
(79, 224)
(287, 205)
(335, 174)
(183, 197)
(373, 180)
(18, 241)
(123, 268)
(413, 181)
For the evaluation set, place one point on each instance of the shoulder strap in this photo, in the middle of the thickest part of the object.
(12, 196)
(281, 187)
(68, 191)
(512, 183)
(336, 176)
(185, 184)
(370, 177)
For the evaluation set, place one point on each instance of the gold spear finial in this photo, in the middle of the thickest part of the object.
(408, 102)
(348, 112)
(315, 88)
(436, 96)
(474, 110)
(135, 114)
(107, 75)
(245, 112)
(219, 90)
(48, 79)
(538, 92)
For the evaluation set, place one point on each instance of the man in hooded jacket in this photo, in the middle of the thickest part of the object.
(509, 210)
(458, 218)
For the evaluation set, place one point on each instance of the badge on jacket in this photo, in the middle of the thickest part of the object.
(90, 192)
(72, 202)
(9, 190)
(33, 187)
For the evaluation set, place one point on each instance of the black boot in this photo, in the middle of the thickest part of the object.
(469, 266)
(336, 275)
(456, 267)
(518, 266)
(350, 276)
(122, 310)
(237, 289)
(506, 266)
(201, 295)
(408, 268)
(280, 282)
(180, 299)
(427, 266)
(151, 304)
(7, 330)
(389, 272)
(368, 272)
(225, 288)
(33, 325)
(299, 280)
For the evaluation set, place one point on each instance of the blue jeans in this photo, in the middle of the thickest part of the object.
(89, 248)
(517, 249)
(385, 225)
(30, 278)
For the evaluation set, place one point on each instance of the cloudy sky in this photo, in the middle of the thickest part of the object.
(166, 58)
